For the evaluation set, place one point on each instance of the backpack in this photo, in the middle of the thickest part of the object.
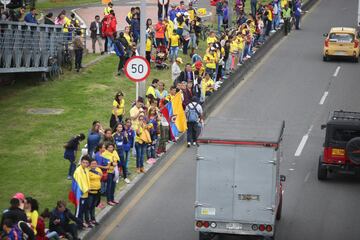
(193, 114)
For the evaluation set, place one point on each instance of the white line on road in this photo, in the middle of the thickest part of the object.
(322, 100)
(303, 142)
(307, 177)
(336, 71)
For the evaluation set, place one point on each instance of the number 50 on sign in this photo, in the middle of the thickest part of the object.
(137, 69)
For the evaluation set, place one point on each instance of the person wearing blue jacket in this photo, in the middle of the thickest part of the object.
(135, 27)
(94, 137)
(31, 16)
(130, 143)
(120, 138)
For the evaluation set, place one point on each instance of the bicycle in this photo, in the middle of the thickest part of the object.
(68, 59)
(54, 69)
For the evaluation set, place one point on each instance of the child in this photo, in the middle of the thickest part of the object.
(120, 138)
(174, 43)
(234, 51)
(149, 41)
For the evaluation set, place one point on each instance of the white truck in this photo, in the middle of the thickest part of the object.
(238, 186)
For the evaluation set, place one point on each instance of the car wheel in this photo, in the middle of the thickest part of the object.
(325, 58)
(278, 213)
(322, 171)
(356, 59)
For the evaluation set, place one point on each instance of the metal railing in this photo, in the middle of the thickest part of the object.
(27, 47)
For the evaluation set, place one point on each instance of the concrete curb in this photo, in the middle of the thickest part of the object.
(208, 106)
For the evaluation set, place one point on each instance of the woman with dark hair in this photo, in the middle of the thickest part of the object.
(32, 214)
(150, 28)
(94, 137)
(48, 19)
(118, 110)
(71, 147)
(113, 158)
(120, 138)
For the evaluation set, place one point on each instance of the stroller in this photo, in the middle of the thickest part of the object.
(161, 57)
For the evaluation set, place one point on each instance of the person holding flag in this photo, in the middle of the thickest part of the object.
(174, 113)
(80, 188)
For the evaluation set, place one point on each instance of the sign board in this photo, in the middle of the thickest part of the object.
(137, 69)
(163, 2)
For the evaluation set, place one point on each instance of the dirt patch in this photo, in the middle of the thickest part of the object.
(45, 111)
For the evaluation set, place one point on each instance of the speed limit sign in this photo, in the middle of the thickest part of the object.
(137, 69)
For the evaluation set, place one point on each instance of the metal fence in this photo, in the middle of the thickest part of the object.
(27, 47)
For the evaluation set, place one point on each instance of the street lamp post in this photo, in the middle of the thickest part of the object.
(140, 87)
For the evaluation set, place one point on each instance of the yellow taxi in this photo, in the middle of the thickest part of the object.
(341, 42)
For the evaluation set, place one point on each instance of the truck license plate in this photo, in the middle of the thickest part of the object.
(340, 53)
(233, 226)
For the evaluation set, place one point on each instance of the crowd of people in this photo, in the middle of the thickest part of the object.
(145, 130)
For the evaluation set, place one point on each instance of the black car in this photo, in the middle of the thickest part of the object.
(341, 152)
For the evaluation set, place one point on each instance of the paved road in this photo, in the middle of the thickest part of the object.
(289, 85)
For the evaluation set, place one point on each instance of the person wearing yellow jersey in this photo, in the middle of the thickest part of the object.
(111, 155)
(136, 111)
(152, 88)
(32, 214)
(118, 109)
(172, 94)
(148, 48)
(174, 42)
(211, 39)
(269, 18)
(81, 177)
(130, 14)
(241, 45)
(95, 175)
(234, 52)
(210, 61)
(108, 8)
(127, 35)
(207, 85)
(141, 139)
(169, 28)
(192, 12)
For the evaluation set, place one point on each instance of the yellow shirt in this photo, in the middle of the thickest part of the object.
(283, 3)
(169, 97)
(174, 40)
(207, 85)
(240, 42)
(33, 217)
(120, 107)
(169, 29)
(270, 16)
(128, 38)
(112, 157)
(148, 45)
(134, 111)
(192, 14)
(151, 91)
(95, 180)
(66, 24)
(211, 40)
(210, 61)
(181, 25)
(234, 47)
(137, 135)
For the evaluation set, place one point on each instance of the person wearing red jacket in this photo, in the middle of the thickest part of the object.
(109, 29)
(160, 29)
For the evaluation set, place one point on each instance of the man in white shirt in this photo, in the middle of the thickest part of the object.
(175, 69)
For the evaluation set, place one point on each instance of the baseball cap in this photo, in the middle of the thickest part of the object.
(19, 196)
(179, 60)
(198, 64)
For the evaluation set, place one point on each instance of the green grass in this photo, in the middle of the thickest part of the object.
(31, 146)
(53, 4)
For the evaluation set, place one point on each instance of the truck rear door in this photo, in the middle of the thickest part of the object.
(215, 179)
(254, 184)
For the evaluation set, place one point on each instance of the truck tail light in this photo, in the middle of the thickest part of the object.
(262, 227)
(327, 42)
(356, 43)
(254, 227)
(206, 224)
(199, 224)
(269, 228)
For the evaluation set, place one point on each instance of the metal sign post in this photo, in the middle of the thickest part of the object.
(141, 85)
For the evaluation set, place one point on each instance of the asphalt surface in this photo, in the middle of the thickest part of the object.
(288, 86)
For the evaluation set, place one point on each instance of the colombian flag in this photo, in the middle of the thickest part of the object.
(80, 185)
(175, 115)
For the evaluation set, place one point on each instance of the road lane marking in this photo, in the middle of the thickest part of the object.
(323, 98)
(307, 177)
(336, 71)
(105, 234)
(303, 142)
